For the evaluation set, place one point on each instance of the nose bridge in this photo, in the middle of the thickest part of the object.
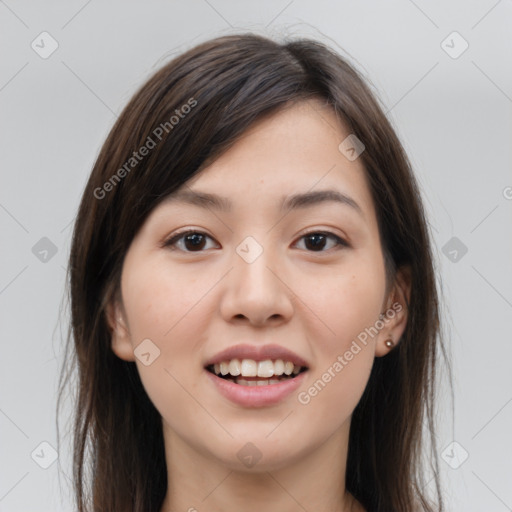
(254, 289)
(251, 266)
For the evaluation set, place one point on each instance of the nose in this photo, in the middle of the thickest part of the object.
(256, 293)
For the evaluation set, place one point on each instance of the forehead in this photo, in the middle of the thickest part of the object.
(294, 152)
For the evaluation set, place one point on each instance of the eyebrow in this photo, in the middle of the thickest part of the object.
(292, 202)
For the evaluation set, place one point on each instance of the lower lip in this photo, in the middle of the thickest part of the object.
(256, 396)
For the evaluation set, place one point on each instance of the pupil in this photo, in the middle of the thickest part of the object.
(194, 239)
(316, 238)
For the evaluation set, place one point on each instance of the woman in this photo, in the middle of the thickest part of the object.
(254, 310)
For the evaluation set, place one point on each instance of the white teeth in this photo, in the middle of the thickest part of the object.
(234, 367)
(266, 368)
(224, 368)
(251, 368)
(279, 367)
(244, 382)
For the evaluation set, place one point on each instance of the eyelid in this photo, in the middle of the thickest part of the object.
(341, 242)
(328, 232)
(175, 237)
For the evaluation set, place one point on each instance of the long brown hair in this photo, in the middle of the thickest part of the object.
(193, 109)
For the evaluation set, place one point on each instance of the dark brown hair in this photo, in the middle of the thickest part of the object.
(228, 83)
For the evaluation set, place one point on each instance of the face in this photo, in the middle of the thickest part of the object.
(303, 283)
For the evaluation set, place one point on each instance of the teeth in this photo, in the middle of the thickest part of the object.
(234, 367)
(279, 367)
(244, 382)
(266, 368)
(250, 368)
(224, 368)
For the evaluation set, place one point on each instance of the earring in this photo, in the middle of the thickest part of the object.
(389, 343)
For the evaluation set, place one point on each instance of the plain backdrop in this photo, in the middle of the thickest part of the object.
(442, 69)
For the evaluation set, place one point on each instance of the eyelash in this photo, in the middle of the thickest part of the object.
(171, 242)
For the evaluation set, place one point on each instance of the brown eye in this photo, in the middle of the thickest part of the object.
(317, 241)
(196, 241)
(189, 241)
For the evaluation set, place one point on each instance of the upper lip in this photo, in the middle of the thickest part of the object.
(256, 353)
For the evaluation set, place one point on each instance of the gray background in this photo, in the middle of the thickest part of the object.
(452, 112)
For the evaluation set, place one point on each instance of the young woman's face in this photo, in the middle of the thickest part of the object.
(303, 284)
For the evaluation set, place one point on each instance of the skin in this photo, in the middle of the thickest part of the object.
(194, 304)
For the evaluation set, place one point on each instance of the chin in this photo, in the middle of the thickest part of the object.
(255, 452)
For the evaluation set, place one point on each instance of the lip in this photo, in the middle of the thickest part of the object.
(256, 353)
(256, 396)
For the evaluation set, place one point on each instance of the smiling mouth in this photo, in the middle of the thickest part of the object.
(252, 373)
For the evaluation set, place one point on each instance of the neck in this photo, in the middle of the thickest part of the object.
(311, 481)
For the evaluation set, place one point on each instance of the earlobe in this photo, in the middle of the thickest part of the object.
(119, 333)
(395, 315)
(389, 343)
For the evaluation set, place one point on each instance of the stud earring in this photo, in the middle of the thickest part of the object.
(389, 343)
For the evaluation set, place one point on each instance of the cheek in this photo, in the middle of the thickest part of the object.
(166, 308)
(343, 366)
(348, 302)
(158, 302)
(334, 391)
(347, 299)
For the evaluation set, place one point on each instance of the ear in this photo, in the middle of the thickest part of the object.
(120, 334)
(395, 312)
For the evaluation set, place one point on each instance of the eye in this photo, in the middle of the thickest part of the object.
(316, 241)
(188, 241)
(195, 241)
